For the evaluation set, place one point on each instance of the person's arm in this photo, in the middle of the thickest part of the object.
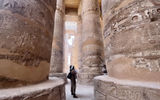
(74, 72)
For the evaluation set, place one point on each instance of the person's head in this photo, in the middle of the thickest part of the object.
(71, 67)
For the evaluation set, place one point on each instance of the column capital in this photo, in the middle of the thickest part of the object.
(60, 6)
(90, 6)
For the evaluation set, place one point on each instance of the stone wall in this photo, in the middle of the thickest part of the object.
(26, 28)
(107, 88)
(53, 89)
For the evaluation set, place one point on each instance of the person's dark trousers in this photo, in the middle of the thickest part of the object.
(73, 86)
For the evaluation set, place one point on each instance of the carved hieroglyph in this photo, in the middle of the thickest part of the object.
(26, 28)
(132, 39)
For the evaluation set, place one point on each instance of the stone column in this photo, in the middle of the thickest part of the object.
(132, 43)
(132, 50)
(56, 67)
(26, 28)
(79, 32)
(91, 41)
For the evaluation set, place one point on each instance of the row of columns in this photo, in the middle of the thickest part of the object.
(90, 44)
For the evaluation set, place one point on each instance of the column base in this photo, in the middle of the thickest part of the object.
(107, 88)
(49, 90)
(59, 75)
(86, 78)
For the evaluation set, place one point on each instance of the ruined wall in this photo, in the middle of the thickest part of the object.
(26, 28)
(132, 40)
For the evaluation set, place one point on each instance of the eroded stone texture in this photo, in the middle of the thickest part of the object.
(59, 75)
(107, 5)
(107, 88)
(155, 2)
(53, 89)
(57, 44)
(132, 40)
(26, 28)
(91, 41)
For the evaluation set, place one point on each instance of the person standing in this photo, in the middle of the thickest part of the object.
(104, 69)
(73, 77)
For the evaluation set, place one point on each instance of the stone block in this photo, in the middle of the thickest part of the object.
(115, 89)
(49, 90)
(110, 98)
(99, 96)
(86, 78)
(59, 75)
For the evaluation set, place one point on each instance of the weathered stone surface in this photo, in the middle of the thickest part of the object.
(26, 28)
(91, 39)
(107, 5)
(53, 89)
(79, 32)
(99, 96)
(115, 89)
(59, 75)
(132, 44)
(155, 2)
(57, 44)
(86, 78)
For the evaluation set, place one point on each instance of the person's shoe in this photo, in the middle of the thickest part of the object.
(74, 96)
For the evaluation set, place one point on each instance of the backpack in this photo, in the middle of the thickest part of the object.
(69, 75)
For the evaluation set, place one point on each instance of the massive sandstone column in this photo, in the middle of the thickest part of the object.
(132, 40)
(91, 41)
(56, 67)
(57, 45)
(26, 28)
(132, 50)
